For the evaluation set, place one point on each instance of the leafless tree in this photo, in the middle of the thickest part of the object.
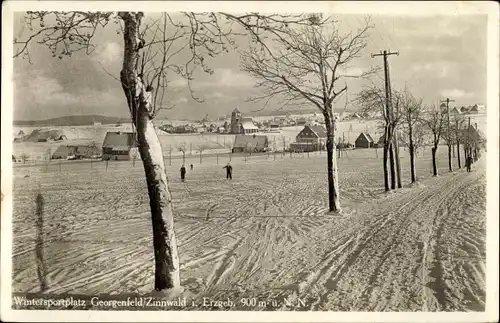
(413, 134)
(23, 157)
(182, 147)
(41, 269)
(308, 64)
(147, 60)
(458, 124)
(373, 99)
(201, 148)
(434, 120)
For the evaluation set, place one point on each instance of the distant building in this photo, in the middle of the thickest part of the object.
(464, 109)
(364, 140)
(250, 143)
(356, 116)
(118, 145)
(247, 126)
(301, 122)
(455, 111)
(235, 121)
(76, 152)
(311, 138)
(477, 108)
(274, 125)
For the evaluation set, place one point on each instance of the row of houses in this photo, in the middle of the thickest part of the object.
(116, 146)
(475, 109)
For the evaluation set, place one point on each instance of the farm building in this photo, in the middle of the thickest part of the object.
(20, 133)
(38, 135)
(274, 125)
(118, 145)
(311, 138)
(364, 140)
(455, 111)
(250, 143)
(76, 152)
(247, 126)
(477, 108)
(301, 122)
(464, 110)
(473, 134)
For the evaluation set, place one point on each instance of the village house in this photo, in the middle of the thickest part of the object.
(455, 111)
(301, 122)
(118, 145)
(247, 126)
(250, 143)
(76, 152)
(311, 138)
(274, 125)
(364, 140)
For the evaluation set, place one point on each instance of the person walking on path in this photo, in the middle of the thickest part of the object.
(192, 166)
(183, 173)
(229, 171)
(468, 163)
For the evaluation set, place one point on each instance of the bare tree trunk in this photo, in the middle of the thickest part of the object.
(412, 160)
(333, 184)
(458, 155)
(386, 170)
(392, 166)
(384, 160)
(434, 165)
(164, 242)
(41, 269)
(450, 167)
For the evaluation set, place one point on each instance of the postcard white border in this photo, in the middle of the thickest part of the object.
(379, 7)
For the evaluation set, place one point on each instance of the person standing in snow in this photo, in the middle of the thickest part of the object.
(192, 166)
(183, 173)
(229, 171)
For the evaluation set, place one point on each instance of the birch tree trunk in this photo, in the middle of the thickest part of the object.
(139, 103)
(333, 184)
(458, 155)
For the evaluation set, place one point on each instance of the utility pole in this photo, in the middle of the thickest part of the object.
(450, 168)
(390, 113)
(468, 142)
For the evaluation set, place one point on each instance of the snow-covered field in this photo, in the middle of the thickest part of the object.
(420, 248)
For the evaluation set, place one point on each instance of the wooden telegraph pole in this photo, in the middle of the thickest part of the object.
(390, 113)
(450, 167)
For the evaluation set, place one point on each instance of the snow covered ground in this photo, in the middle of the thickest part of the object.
(420, 248)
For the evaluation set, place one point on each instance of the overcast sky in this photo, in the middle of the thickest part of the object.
(441, 56)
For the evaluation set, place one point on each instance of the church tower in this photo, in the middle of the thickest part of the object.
(235, 121)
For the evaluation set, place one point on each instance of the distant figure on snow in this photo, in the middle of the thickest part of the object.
(191, 166)
(183, 173)
(468, 163)
(229, 171)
